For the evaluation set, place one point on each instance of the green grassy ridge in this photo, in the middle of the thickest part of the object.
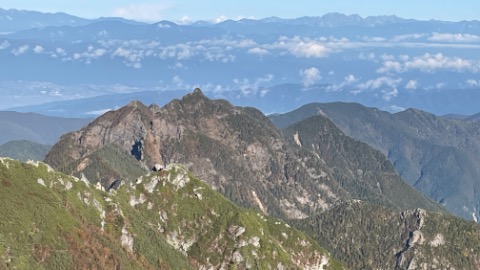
(105, 165)
(48, 227)
(205, 219)
(24, 150)
(59, 225)
(112, 161)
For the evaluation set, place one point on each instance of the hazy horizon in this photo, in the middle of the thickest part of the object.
(214, 10)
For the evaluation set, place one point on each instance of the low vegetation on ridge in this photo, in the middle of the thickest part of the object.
(166, 220)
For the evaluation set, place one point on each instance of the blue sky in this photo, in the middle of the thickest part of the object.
(221, 9)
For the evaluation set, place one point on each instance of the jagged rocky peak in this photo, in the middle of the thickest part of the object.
(139, 106)
(196, 103)
(197, 91)
(135, 104)
(196, 98)
(412, 112)
(237, 150)
(154, 108)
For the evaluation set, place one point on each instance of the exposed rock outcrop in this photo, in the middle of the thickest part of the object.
(236, 150)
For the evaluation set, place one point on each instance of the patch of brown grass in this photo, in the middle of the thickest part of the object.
(41, 252)
(6, 182)
(88, 251)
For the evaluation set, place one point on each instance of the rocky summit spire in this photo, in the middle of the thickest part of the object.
(195, 96)
(197, 91)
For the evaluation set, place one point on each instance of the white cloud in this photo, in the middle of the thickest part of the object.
(263, 92)
(244, 86)
(350, 79)
(404, 41)
(347, 81)
(396, 108)
(20, 50)
(4, 45)
(38, 49)
(247, 87)
(265, 79)
(369, 56)
(219, 57)
(215, 89)
(389, 94)
(408, 37)
(379, 82)
(411, 85)
(241, 17)
(258, 51)
(430, 63)
(89, 55)
(185, 20)
(163, 26)
(56, 93)
(373, 39)
(220, 19)
(150, 11)
(103, 33)
(404, 57)
(61, 51)
(98, 112)
(310, 76)
(473, 83)
(216, 50)
(389, 66)
(132, 57)
(447, 37)
(245, 43)
(184, 53)
(387, 57)
(178, 65)
(303, 47)
(310, 49)
(179, 83)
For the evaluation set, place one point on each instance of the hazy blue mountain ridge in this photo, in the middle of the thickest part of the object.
(13, 20)
(436, 155)
(35, 127)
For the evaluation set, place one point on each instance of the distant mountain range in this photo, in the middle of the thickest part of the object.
(13, 20)
(438, 156)
(275, 99)
(35, 127)
(475, 117)
(386, 62)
